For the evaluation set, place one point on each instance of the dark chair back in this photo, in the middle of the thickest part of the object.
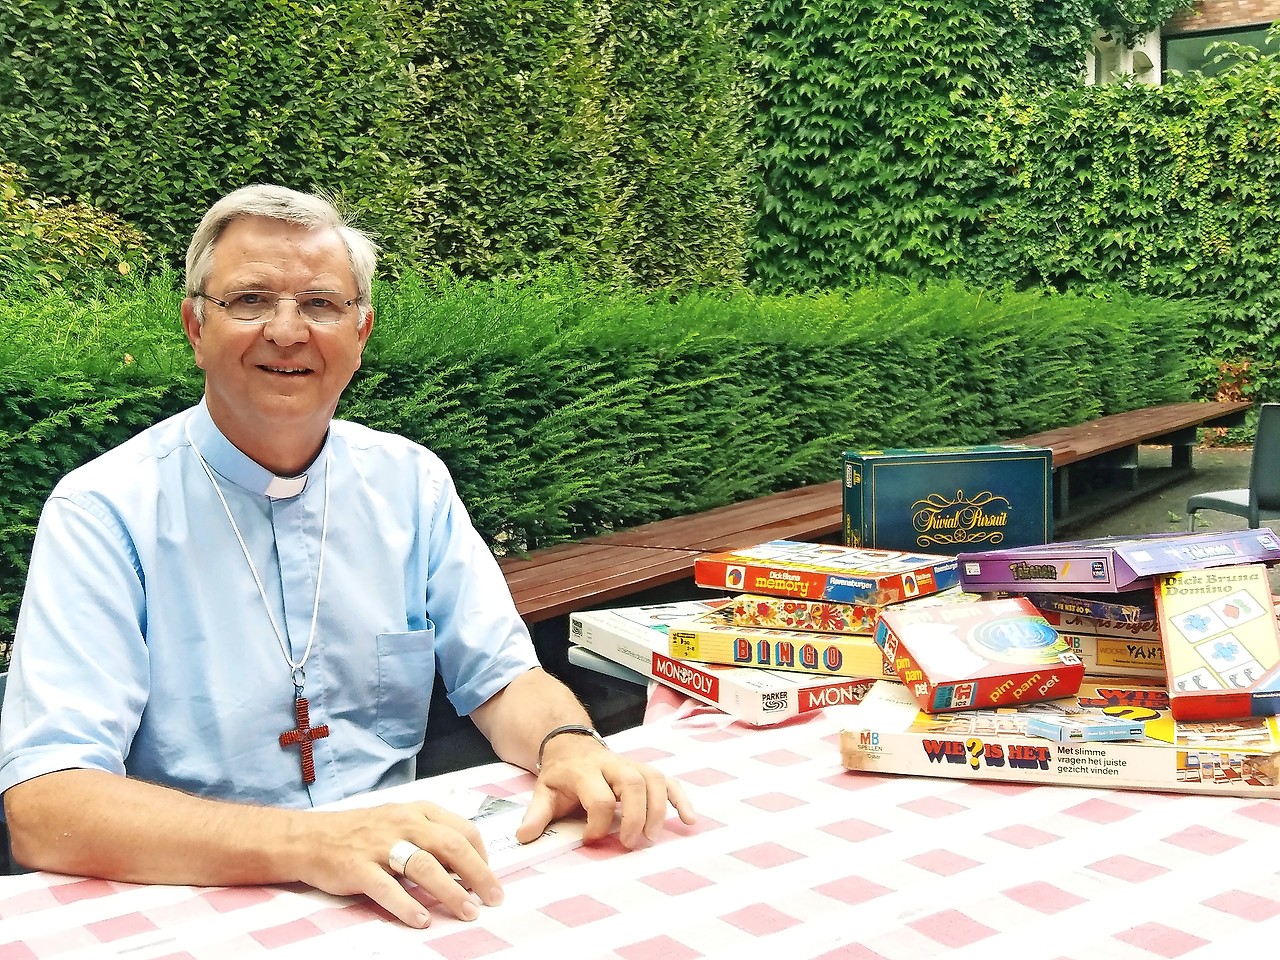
(1264, 470)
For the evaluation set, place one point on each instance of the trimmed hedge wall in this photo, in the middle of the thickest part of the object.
(565, 411)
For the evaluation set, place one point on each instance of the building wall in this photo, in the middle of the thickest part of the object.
(1219, 14)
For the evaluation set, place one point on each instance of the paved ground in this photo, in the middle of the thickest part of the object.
(1166, 510)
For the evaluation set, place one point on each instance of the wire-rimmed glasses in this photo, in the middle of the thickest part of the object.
(259, 306)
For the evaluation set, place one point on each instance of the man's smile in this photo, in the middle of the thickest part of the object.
(291, 371)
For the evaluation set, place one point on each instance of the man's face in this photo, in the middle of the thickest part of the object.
(278, 383)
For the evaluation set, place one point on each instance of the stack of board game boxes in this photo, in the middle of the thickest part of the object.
(794, 633)
(1178, 686)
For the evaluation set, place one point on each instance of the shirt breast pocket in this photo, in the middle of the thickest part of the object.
(406, 672)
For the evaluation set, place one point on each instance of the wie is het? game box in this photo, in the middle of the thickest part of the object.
(1221, 642)
(986, 653)
(636, 637)
(888, 733)
(948, 499)
(1112, 564)
(820, 571)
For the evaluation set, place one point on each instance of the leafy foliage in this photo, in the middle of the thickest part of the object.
(151, 109)
(869, 158)
(952, 138)
(484, 137)
(48, 241)
(607, 135)
(77, 376)
(1174, 194)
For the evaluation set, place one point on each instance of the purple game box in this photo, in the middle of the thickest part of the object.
(1111, 564)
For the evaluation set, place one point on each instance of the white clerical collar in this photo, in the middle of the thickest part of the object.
(231, 463)
(282, 488)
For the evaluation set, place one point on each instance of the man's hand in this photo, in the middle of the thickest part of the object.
(97, 824)
(578, 773)
(348, 853)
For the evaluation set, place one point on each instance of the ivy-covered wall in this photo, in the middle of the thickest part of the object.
(901, 139)
(1176, 193)
(486, 137)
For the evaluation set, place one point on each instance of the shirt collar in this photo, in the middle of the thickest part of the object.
(229, 462)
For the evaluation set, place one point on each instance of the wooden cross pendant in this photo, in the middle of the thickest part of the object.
(303, 735)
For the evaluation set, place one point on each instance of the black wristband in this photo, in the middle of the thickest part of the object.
(581, 729)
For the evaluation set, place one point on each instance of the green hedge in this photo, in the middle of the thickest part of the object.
(566, 411)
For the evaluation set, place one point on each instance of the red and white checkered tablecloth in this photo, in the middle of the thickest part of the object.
(792, 857)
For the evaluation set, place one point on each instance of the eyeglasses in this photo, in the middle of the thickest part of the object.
(259, 306)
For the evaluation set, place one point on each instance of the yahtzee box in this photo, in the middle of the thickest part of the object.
(948, 499)
(988, 653)
(1112, 564)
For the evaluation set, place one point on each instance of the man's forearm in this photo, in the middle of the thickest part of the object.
(93, 823)
(516, 719)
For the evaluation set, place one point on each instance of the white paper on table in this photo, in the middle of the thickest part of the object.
(497, 819)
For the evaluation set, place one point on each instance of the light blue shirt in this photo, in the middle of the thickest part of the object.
(143, 645)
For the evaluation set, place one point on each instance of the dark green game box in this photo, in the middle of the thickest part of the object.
(948, 499)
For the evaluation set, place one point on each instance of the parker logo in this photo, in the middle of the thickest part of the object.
(960, 520)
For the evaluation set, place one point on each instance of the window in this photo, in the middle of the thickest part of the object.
(1188, 52)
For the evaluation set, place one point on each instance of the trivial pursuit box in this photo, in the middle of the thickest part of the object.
(948, 499)
(1112, 564)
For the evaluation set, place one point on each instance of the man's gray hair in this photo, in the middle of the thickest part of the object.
(291, 206)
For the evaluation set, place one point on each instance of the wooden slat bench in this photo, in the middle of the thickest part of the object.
(1110, 444)
(556, 581)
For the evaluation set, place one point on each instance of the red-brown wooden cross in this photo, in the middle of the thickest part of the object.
(303, 735)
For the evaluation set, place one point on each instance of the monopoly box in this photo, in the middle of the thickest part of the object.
(988, 653)
(636, 637)
(948, 499)
(1112, 564)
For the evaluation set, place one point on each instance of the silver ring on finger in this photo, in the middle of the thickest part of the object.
(401, 851)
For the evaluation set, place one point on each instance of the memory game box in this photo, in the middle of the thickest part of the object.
(948, 499)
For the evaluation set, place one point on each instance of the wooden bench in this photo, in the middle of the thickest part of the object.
(556, 581)
(1086, 452)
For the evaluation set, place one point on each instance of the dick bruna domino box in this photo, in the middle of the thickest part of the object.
(1221, 643)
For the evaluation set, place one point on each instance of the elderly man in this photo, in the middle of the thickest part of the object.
(239, 614)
